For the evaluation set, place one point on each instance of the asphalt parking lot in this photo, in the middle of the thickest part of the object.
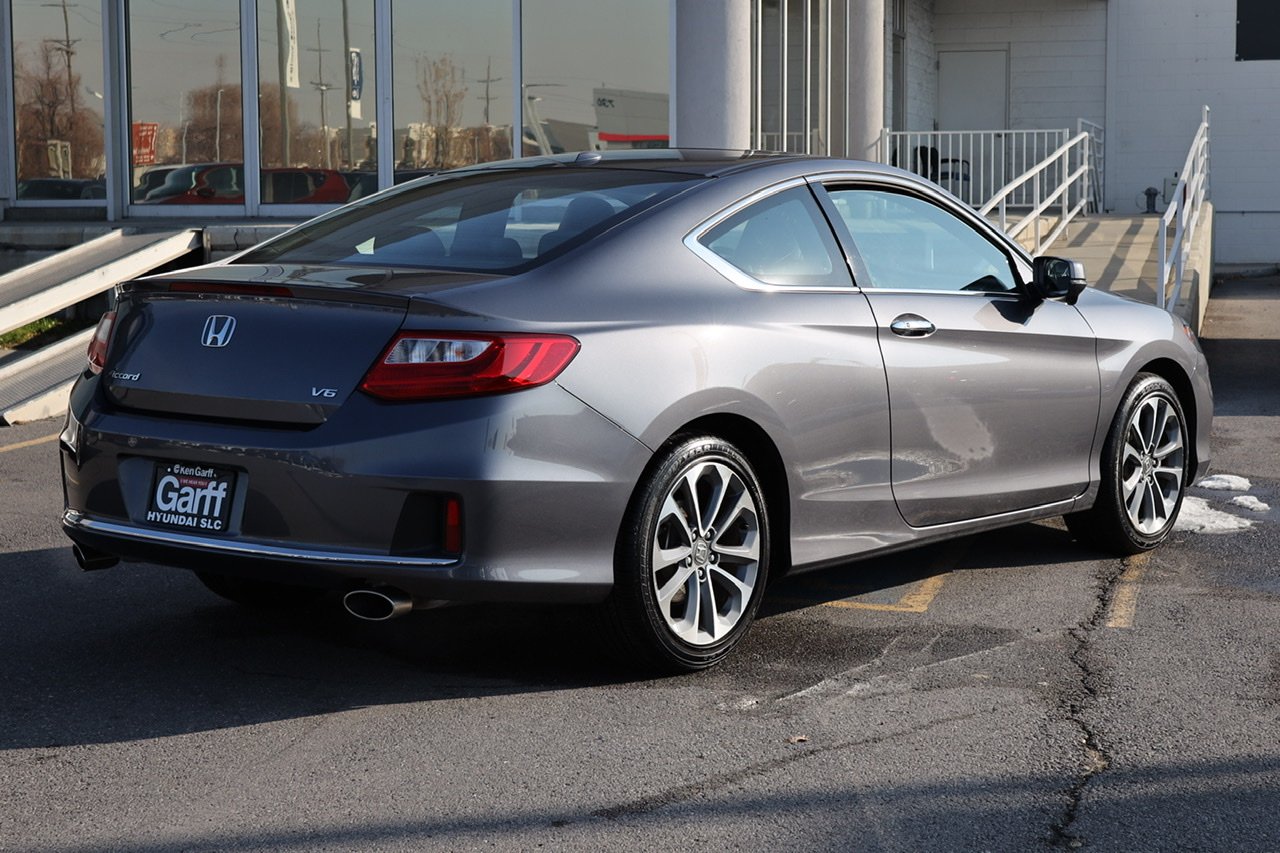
(1008, 691)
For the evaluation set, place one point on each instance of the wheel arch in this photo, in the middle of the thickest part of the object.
(1173, 373)
(761, 451)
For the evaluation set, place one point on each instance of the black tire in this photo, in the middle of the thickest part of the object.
(258, 593)
(658, 612)
(1144, 472)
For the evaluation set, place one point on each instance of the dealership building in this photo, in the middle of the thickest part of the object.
(202, 110)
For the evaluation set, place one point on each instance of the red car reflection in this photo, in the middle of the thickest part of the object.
(223, 183)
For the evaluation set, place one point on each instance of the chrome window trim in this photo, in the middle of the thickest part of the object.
(1021, 260)
(934, 195)
(692, 241)
(77, 521)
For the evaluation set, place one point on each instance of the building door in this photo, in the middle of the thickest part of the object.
(973, 94)
(973, 89)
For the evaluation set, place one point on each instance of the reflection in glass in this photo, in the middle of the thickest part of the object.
(453, 73)
(57, 59)
(596, 75)
(802, 82)
(318, 143)
(184, 107)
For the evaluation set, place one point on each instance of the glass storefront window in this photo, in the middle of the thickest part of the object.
(802, 81)
(596, 75)
(453, 83)
(318, 143)
(58, 100)
(187, 140)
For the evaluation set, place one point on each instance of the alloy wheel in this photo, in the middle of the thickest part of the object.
(706, 552)
(1152, 464)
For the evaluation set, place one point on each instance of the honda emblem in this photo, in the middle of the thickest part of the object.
(218, 330)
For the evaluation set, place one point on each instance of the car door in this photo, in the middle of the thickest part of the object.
(993, 395)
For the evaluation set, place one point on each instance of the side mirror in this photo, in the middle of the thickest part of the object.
(1057, 278)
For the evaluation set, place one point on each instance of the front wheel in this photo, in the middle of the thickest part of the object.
(1144, 472)
(692, 558)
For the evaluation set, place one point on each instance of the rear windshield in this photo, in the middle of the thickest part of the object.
(503, 222)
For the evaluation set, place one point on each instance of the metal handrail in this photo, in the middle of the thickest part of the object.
(1184, 212)
(1097, 159)
(972, 164)
(1060, 161)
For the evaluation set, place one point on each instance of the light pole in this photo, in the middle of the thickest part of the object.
(323, 88)
(217, 133)
(66, 45)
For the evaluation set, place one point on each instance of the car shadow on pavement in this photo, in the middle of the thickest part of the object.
(140, 651)
(1039, 543)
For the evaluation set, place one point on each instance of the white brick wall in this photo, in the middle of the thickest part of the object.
(1057, 53)
(1169, 58)
(922, 66)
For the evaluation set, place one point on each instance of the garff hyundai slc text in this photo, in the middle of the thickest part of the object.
(651, 380)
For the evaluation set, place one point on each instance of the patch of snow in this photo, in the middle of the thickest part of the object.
(1226, 483)
(1251, 503)
(1198, 517)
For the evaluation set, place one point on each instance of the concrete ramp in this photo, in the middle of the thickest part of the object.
(1121, 255)
(49, 285)
(36, 385)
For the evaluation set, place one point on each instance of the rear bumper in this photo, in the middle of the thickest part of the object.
(424, 577)
(543, 481)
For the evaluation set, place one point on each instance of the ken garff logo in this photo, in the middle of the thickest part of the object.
(218, 330)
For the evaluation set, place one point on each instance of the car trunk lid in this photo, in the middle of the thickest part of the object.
(288, 354)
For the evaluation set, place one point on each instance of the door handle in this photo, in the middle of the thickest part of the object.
(912, 326)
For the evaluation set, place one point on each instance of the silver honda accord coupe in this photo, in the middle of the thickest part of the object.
(652, 380)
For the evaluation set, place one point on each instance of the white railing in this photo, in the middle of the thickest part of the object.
(1184, 214)
(1060, 179)
(1097, 160)
(972, 164)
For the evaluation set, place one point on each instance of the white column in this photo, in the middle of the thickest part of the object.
(713, 73)
(866, 77)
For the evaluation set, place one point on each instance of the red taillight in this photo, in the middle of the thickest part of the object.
(98, 346)
(453, 526)
(430, 365)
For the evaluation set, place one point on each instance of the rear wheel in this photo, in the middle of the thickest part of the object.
(692, 559)
(1144, 470)
(258, 593)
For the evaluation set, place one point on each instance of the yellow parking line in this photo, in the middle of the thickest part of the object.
(1124, 601)
(32, 443)
(916, 601)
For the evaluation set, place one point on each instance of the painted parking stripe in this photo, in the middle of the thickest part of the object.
(1124, 601)
(915, 601)
(31, 443)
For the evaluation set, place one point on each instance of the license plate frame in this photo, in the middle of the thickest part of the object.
(191, 497)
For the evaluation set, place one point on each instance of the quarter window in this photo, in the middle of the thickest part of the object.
(782, 240)
(907, 243)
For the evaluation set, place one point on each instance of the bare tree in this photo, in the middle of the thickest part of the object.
(441, 85)
(48, 110)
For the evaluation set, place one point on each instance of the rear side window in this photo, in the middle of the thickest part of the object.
(484, 221)
(781, 240)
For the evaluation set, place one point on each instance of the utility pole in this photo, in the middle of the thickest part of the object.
(346, 61)
(323, 88)
(66, 45)
(488, 78)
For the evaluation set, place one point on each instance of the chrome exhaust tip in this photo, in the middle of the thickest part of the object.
(91, 560)
(378, 604)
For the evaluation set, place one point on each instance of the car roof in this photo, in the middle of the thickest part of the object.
(706, 162)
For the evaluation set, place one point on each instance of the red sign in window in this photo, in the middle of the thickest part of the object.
(144, 143)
